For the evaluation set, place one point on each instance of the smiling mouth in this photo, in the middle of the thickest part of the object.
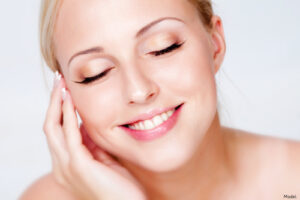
(153, 122)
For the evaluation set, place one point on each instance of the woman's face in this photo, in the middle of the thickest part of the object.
(137, 78)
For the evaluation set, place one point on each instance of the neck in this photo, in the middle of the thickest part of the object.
(207, 169)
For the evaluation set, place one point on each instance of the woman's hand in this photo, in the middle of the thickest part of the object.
(79, 165)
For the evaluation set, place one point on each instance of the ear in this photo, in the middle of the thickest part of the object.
(218, 42)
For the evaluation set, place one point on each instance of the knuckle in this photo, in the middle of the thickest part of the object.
(69, 175)
(50, 127)
(60, 180)
(46, 128)
(58, 177)
(75, 167)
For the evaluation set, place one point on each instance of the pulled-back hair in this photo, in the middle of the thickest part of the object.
(48, 14)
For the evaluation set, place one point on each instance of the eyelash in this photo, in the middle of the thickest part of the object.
(167, 50)
(155, 53)
(91, 79)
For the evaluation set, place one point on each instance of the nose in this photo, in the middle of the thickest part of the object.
(139, 86)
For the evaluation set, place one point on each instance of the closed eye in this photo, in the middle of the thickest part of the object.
(167, 50)
(94, 78)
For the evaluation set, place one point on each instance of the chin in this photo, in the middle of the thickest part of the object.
(179, 147)
(168, 158)
(168, 163)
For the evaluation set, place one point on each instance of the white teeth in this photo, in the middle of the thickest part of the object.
(170, 112)
(164, 116)
(152, 123)
(141, 126)
(148, 124)
(132, 127)
(157, 120)
(136, 126)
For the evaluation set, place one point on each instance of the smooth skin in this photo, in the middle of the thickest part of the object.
(70, 157)
(205, 160)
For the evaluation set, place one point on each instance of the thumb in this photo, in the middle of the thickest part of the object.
(104, 157)
(111, 162)
(97, 152)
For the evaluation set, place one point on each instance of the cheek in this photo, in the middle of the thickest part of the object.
(191, 79)
(188, 75)
(97, 107)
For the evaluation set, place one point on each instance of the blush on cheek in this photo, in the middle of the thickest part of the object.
(190, 76)
(96, 109)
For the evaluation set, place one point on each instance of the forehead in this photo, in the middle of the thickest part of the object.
(112, 10)
(82, 23)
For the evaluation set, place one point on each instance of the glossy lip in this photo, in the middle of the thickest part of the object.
(162, 129)
(149, 115)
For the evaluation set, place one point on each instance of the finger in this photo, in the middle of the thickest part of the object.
(53, 115)
(52, 127)
(97, 152)
(104, 157)
(70, 125)
(86, 140)
(60, 160)
(57, 148)
(71, 131)
(59, 156)
(56, 143)
(57, 169)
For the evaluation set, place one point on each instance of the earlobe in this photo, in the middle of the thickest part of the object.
(218, 42)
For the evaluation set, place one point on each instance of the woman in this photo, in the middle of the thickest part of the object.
(141, 76)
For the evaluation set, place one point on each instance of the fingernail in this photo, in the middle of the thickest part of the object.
(63, 93)
(56, 79)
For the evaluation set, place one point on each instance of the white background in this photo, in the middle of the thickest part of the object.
(259, 81)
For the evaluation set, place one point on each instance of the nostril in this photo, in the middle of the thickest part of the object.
(142, 94)
(151, 95)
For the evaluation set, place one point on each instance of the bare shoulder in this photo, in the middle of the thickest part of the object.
(271, 163)
(47, 189)
(265, 147)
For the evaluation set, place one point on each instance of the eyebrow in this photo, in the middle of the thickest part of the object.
(87, 51)
(99, 49)
(147, 27)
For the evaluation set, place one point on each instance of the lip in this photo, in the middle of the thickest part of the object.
(162, 129)
(149, 115)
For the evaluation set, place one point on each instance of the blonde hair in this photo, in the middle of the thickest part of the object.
(49, 11)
